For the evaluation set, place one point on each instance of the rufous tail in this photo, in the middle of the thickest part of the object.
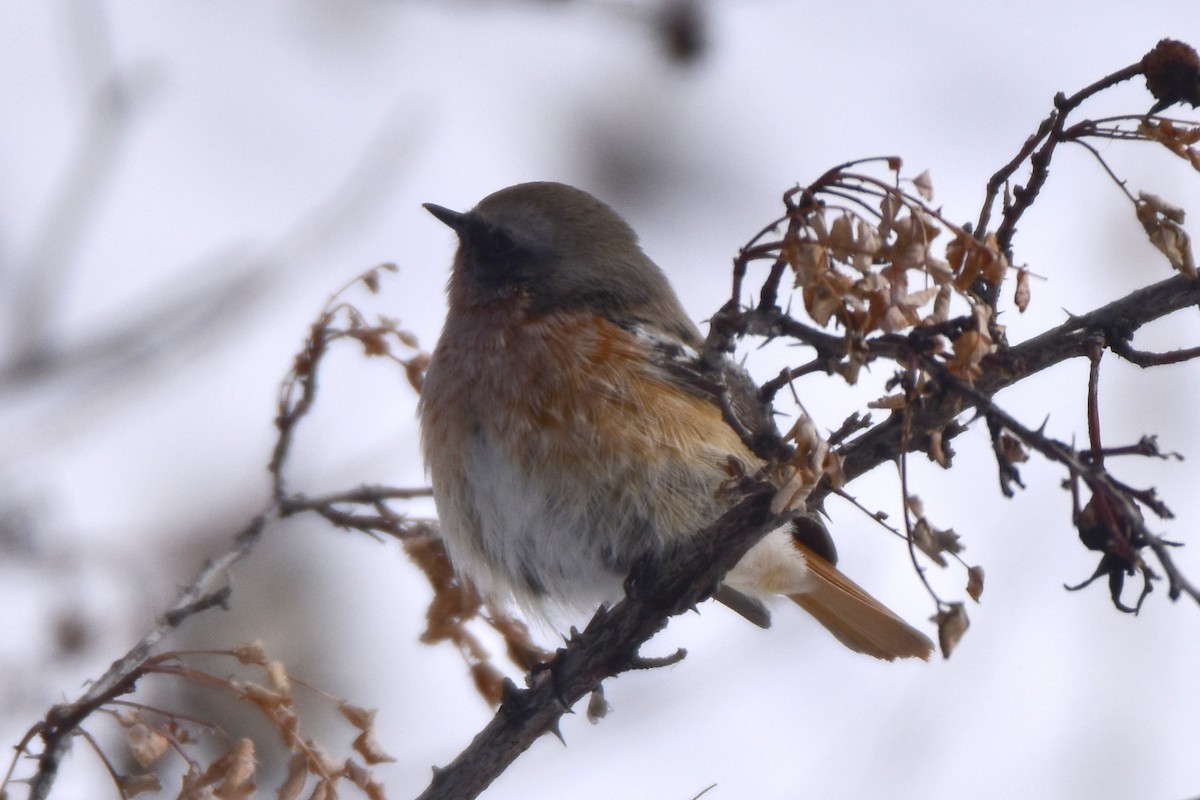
(857, 619)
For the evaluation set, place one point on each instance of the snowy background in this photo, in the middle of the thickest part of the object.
(164, 247)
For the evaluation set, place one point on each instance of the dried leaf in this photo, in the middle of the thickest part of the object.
(374, 791)
(996, 264)
(832, 466)
(133, 785)
(196, 786)
(932, 541)
(970, 348)
(126, 718)
(356, 773)
(288, 725)
(972, 260)
(794, 491)
(952, 623)
(1021, 296)
(519, 645)
(841, 239)
(935, 450)
(371, 277)
(146, 744)
(251, 653)
(374, 342)
(278, 677)
(888, 206)
(235, 772)
(297, 776)
(939, 271)
(598, 707)
(805, 468)
(242, 765)
(941, 306)
(1172, 212)
(975, 582)
(947, 540)
(822, 303)
(1162, 223)
(360, 718)
(922, 537)
(369, 748)
(924, 185)
(320, 763)
(914, 504)
(808, 260)
(913, 234)
(266, 699)
(868, 245)
(911, 302)
(489, 682)
(1176, 138)
(407, 338)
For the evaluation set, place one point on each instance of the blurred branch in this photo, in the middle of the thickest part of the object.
(112, 99)
(206, 297)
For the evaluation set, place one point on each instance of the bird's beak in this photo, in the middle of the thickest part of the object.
(455, 219)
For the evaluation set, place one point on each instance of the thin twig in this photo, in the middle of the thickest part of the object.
(63, 720)
(1145, 358)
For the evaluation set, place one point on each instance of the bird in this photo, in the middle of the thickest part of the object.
(568, 433)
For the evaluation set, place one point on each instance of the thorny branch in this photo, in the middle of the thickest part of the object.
(608, 646)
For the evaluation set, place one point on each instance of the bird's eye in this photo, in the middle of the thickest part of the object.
(497, 244)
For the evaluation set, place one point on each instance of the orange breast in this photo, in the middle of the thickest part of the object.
(605, 446)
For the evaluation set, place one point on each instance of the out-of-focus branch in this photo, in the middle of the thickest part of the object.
(114, 98)
(157, 327)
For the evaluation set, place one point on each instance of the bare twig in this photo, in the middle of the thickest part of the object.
(1048, 136)
(63, 720)
(1143, 358)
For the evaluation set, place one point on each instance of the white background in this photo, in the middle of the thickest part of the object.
(282, 148)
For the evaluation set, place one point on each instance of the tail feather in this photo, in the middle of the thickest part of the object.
(857, 619)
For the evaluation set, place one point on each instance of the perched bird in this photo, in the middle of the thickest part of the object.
(568, 433)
